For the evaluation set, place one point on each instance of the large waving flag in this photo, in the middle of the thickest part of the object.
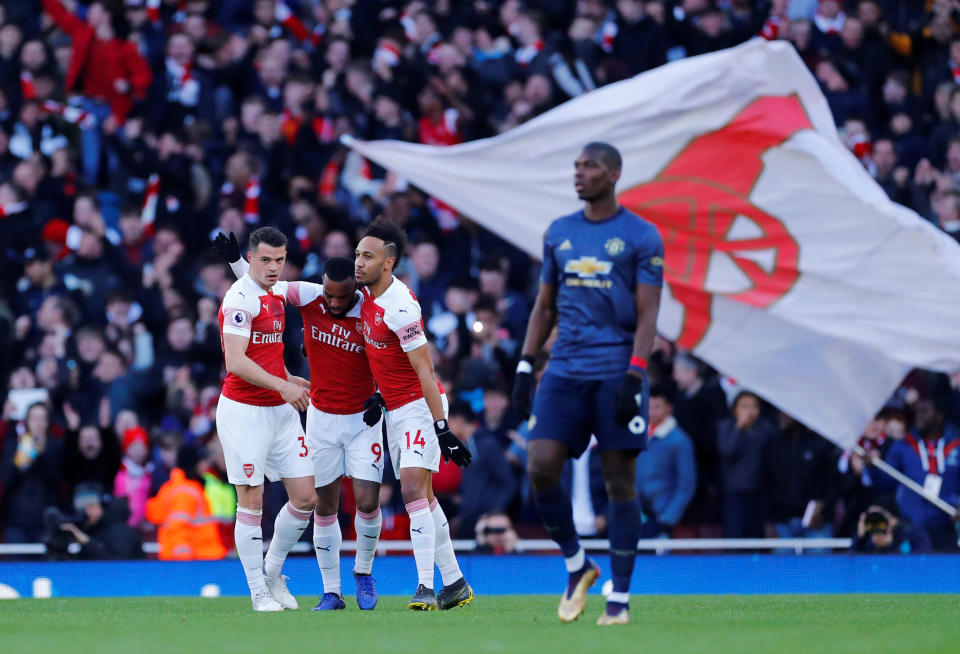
(787, 267)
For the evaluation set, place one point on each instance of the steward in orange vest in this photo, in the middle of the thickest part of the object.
(187, 530)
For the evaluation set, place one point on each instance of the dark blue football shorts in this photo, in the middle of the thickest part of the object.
(570, 410)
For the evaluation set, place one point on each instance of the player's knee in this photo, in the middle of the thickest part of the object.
(368, 499)
(326, 506)
(542, 477)
(250, 497)
(413, 491)
(367, 504)
(303, 501)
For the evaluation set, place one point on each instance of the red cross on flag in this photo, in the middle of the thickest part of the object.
(786, 265)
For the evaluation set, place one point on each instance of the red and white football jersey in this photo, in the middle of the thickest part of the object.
(393, 326)
(248, 310)
(340, 377)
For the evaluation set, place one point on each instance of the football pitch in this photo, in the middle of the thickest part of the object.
(792, 624)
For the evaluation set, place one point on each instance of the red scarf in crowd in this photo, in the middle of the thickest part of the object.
(251, 201)
(290, 21)
(27, 88)
(70, 114)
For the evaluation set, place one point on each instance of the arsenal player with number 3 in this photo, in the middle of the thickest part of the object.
(417, 430)
(258, 419)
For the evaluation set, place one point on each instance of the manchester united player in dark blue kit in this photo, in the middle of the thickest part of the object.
(601, 281)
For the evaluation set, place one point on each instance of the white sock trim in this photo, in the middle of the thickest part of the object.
(619, 598)
(576, 561)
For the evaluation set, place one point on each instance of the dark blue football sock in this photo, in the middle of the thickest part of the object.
(624, 532)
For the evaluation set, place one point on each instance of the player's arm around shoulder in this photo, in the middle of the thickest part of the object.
(296, 293)
(300, 293)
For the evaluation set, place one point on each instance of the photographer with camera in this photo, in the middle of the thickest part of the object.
(98, 526)
(495, 534)
(880, 530)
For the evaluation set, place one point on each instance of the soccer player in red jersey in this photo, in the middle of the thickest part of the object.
(258, 419)
(343, 420)
(417, 429)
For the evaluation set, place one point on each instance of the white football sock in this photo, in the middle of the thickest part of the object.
(423, 537)
(445, 556)
(367, 526)
(249, 540)
(575, 562)
(326, 543)
(287, 529)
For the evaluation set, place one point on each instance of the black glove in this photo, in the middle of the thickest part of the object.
(226, 248)
(522, 396)
(450, 446)
(627, 402)
(373, 409)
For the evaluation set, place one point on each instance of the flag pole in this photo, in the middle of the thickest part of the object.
(906, 481)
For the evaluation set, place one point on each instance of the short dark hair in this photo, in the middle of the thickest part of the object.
(338, 269)
(744, 394)
(393, 237)
(268, 236)
(664, 391)
(608, 154)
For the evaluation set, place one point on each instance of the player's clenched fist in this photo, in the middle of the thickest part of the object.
(450, 446)
(296, 395)
(627, 402)
(373, 409)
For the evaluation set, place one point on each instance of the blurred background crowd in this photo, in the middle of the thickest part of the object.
(132, 131)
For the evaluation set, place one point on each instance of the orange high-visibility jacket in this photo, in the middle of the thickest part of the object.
(186, 528)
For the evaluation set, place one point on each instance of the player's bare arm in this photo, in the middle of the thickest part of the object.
(627, 403)
(450, 445)
(542, 319)
(423, 365)
(239, 364)
(648, 305)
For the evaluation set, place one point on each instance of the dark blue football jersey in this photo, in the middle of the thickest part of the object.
(595, 267)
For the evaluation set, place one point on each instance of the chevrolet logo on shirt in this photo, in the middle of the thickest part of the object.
(586, 267)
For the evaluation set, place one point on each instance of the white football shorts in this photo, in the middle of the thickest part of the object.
(262, 441)
(410, 435)
(343, 445)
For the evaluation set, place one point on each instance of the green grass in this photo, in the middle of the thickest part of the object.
(818, 624)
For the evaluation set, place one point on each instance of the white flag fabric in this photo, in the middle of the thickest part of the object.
(786, 266)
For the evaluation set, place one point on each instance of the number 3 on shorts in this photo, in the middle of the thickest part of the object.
(303, 445)
(417, 440)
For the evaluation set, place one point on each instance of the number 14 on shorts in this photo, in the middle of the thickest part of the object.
(415, 440)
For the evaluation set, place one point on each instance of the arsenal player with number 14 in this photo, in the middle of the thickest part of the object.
(417, 430)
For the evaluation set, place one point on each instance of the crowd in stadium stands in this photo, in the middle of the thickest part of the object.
(131, 132)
